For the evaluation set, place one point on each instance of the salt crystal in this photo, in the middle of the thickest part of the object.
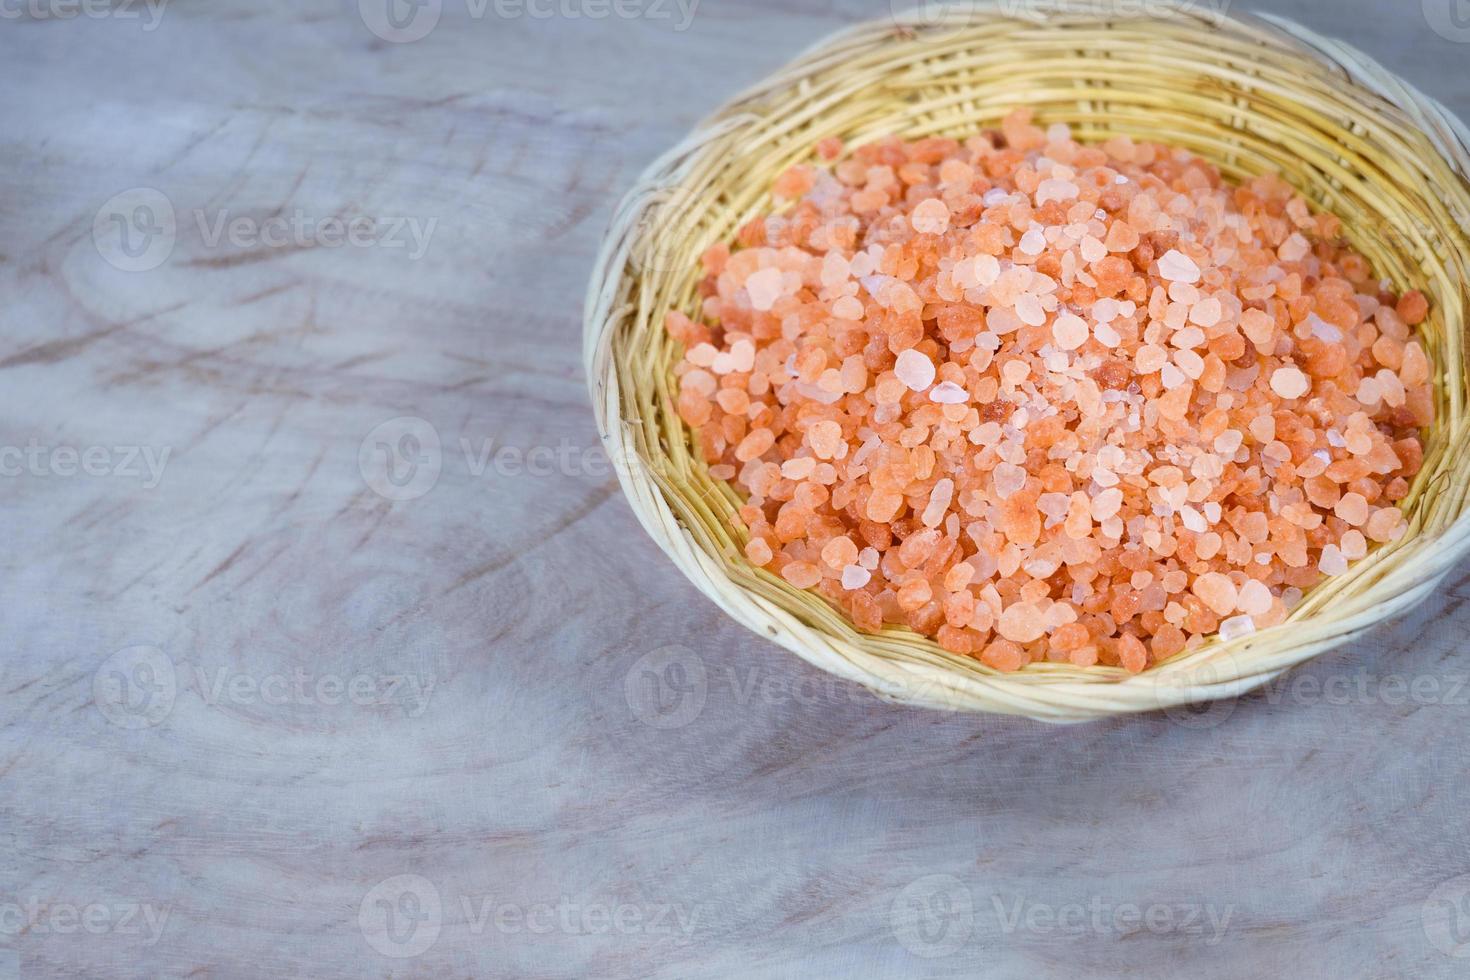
(939, 500)
(1228, 442)
(915, 370)
(1288, 382)
(1029, 310)
(765, 287)
(1332, 562)
(1254, 598)
(1175, 266)
(948, 393)
(1009, 478)
(1106, 504)
(1323, 330)
(848, 308)
(855, 577)
(1216, 591)
(1053, 189)
(1190, 363)
(1070, 331)
(1188, 337)
(1235, 627)
(1033, 242)
(930, 216)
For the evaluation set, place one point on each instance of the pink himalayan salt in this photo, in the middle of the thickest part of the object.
(764, 288)
(1022, 622)
(931, 217)
(1216, 591)
(1106, 486)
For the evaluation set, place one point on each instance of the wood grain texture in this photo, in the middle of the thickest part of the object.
(276, 703)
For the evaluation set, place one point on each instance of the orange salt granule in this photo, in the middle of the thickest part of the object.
(1045, 401)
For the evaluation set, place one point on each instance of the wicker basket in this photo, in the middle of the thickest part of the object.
(1251, 95)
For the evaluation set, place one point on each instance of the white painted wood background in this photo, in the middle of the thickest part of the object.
(270, 710)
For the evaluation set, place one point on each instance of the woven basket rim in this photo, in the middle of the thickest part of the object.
(929, 677)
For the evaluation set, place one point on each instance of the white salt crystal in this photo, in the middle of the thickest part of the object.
(1009, 478)
(939, 500)
(1175, 266)
(948, 393)
(764, 287)
(1333, 561)
(1053, 189)
(1236, 627)
(915, 370)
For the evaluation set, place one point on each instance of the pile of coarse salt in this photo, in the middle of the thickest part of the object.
(1048, 401)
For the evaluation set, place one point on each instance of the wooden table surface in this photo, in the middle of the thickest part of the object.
(332, 649)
